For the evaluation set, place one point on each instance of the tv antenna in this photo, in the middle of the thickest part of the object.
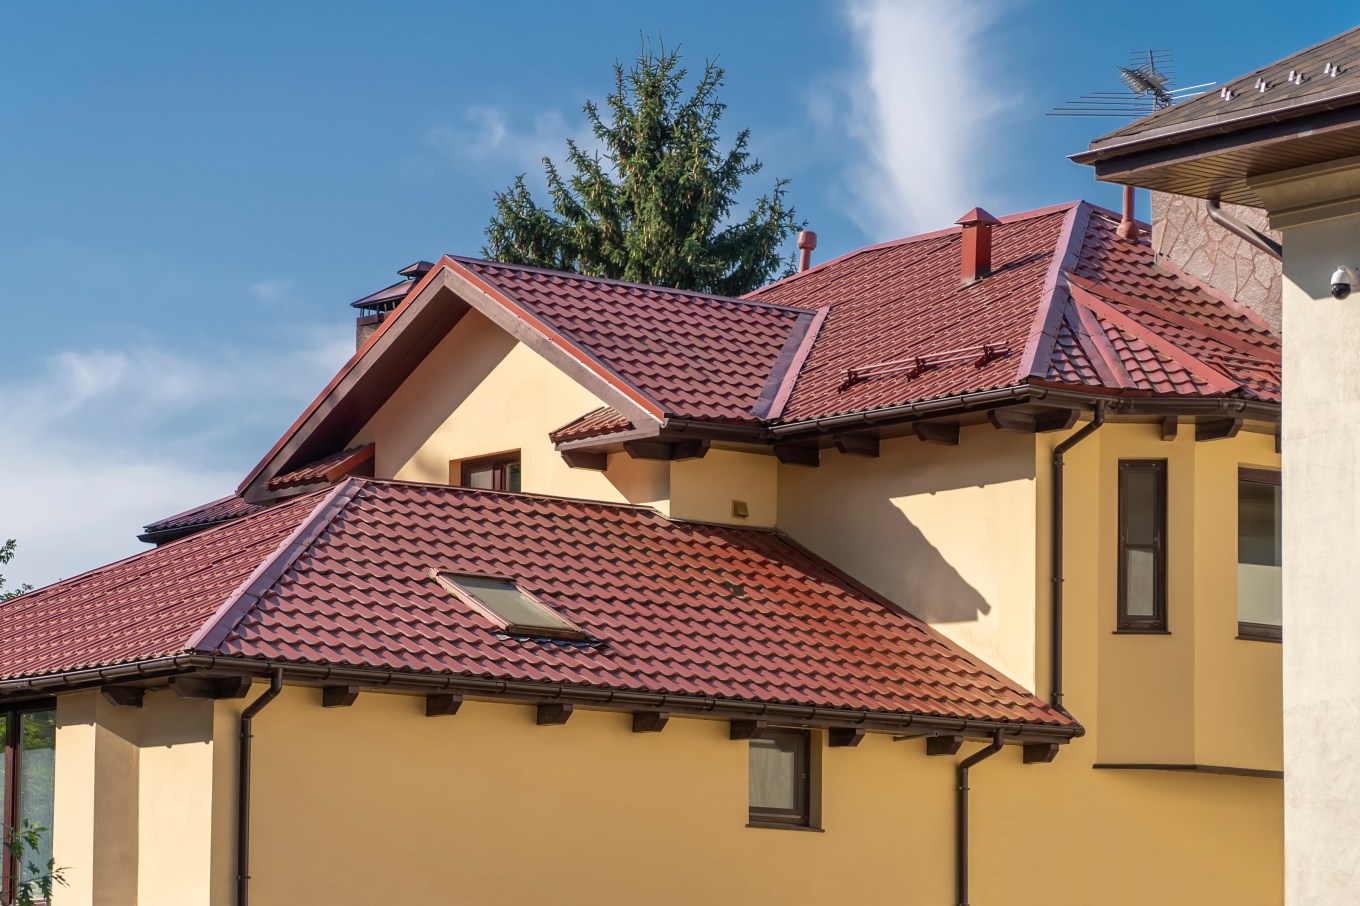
(1149, 80)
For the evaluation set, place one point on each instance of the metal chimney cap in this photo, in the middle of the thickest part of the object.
(978, 216)
(807, 239)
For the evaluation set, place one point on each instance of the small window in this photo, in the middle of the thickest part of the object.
(495, 473)
(500, 601)
(27, 784)
(1259, 584)
(1142, 546)
(779, 781)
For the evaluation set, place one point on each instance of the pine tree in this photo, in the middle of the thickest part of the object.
(655, 206)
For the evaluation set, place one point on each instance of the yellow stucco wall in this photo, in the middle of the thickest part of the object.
(947, 532)
(705, 489)
(481, 392)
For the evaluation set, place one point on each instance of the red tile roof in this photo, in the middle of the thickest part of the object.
(694, 355)
(604, 420)
(678, 608)
(902, 329)
(330, 469)
(224, 509)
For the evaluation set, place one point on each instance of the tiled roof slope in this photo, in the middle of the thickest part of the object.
(146, 606)
(1156, 334)
(695, 355)
(223, 509)
(1246, 99)
(330, 468)
(604, 420)
(677, 608)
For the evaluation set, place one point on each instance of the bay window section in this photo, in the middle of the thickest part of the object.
(1259, 585)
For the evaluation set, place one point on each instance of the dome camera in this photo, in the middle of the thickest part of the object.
(1343, 280)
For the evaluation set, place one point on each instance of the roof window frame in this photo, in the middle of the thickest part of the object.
(447, 579)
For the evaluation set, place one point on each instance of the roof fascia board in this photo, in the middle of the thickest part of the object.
(248, 593)
(1200, 369)
(1044, 330)
(1232, 341)
(774, 396)
(345, 379)
(567, 355)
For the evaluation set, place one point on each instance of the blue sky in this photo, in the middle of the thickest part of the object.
(194, 192)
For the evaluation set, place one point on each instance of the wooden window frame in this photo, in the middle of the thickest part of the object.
(498, 464)
(9, 795)
(1157, 622)
(788, 818)
(1258, 632)
(447, 579)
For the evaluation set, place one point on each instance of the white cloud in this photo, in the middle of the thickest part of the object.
(271, 291)
(494, 140)
(98, 442)
(923, 105)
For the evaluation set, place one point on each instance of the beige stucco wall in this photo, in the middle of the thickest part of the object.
(1316, 208)
(481, 392)
(706, 489)
(947, 532)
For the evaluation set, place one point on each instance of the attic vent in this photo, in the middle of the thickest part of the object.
(914, 366)
(500, 601)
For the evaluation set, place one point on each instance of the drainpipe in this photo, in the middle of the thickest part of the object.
(961, 816)
(1056, 641)
(1247, 234)
(243, 785)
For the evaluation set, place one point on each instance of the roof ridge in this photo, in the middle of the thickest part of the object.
(1048, 313)
(248, 593)
(711, 297)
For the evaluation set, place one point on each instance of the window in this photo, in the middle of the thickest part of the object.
(27, 781)
(500, 601)
(779, 781)
(495, 473)
(1142, 545)
(1259, 586)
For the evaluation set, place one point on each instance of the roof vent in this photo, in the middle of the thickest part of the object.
(977, 245)
(1128, 227)
(807, 244)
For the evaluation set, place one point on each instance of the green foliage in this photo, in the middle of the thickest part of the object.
(38, 880)
(655, 207)
(6, 555)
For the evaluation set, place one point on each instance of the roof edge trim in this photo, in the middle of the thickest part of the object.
(783, 379)
(240, 602)
(1044, 330)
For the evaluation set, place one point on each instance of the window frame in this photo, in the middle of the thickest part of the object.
(801, 818)
(9, 792)
(1157, 623)
(499, 466)
(1257, 632)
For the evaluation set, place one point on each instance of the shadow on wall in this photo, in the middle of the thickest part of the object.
(924, 526)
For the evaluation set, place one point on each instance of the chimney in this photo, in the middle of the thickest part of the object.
(977, 245)
(1128, 227)
(807, 244)
(374, 308)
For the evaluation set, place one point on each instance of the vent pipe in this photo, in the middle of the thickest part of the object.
(1128, 227)
(807, 244)
(977, 245)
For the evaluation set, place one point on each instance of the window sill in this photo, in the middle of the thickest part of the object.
(1258, 632)
(1141, 632)
(774, 825)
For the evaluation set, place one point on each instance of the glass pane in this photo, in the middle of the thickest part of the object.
(483, 477)
(1258, 523)
(1138, 502)
(4, 782)
(1140, 582)
(775, 783)
(507, 602)
(37, 765)
(512, 476)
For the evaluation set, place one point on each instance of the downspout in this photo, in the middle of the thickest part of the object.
(961, 815)
(1247, 234)
(243, 785)
(1056, 640)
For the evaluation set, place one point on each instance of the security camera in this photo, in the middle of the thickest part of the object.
(1343, 279)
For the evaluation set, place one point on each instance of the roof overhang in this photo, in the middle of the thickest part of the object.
(1217, 157)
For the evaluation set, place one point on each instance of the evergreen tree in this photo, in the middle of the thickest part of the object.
(655, 206)
(6, 555)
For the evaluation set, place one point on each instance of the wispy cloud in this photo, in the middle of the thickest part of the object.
(271, 291)
(502, 145)
(922, 104)
(100, 441)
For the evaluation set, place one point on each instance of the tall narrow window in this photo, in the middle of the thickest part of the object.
(27, 783)
(1142, 545)
(1259, 586)
(495, 473)
(780, 778)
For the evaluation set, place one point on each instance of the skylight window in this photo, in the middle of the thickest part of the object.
(501, 601)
